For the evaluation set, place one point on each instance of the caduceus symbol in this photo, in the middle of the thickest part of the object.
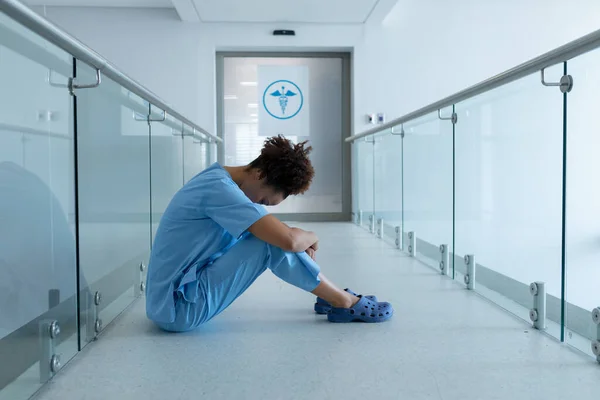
(283, 97)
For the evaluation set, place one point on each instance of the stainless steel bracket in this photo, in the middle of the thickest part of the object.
(53, 84)
(412, 244)
(444, 259)
(139, 286)
(93, 324)
(49, 360)
(398, 133)
(453, 117)
(565, 84)
(73, 85)
(596, 342)
(470, 275)
(398, 238)
(537, 314)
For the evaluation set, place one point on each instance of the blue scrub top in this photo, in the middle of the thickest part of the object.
(203, 220)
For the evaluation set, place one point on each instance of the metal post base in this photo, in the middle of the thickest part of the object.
(372, 223)
(398, 238)
(380, 228)
(93, 324)
(445, 259)
(596, 343)
(359, 218)
(412, 244)
(49, 360)
(139, 286)
(537, 314)
(470, 275)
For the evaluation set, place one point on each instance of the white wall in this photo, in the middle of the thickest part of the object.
(429, 49)
(176, 60)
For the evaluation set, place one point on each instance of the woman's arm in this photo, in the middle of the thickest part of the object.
(269, 229)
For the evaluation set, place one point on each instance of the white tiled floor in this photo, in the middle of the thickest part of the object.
(443, 343)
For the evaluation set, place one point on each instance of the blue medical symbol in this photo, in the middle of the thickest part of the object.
(283, 97)
(284, 91)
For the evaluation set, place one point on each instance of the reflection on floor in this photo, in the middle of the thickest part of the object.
(443, 343)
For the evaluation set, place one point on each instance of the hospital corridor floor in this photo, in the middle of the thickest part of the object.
(442, 343)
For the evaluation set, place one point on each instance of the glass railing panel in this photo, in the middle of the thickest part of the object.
(509, 191)
(364, 193)
(195, 153)
(427, 177)
(583, 211)
(38, 270)
(354, 165)
(166, 162)
(114, 199)
(388, 185)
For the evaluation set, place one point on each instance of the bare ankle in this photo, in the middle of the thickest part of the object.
(345, 301)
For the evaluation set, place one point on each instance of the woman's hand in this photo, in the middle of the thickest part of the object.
(303, 240)
(312, 251)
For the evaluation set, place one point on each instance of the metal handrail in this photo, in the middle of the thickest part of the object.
(563, 53)
(38, 24)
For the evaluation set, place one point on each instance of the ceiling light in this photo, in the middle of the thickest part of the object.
(230, 97)
(252, 105)
(254, 115)
(249, 83)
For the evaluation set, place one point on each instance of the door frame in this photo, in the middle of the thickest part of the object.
(346, 57)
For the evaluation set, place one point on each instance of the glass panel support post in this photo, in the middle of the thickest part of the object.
(380, 228)
(359, 218)
(470, 275)
(412, 244)
(139, 286)
(399, 238)
(596, 342)
(445, 259)
(372, 223)
(93, 324)
(537, 314)
(49, 360)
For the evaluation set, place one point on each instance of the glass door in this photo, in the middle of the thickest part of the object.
(302, 97)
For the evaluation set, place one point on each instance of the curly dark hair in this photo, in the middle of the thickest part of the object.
(285, 166)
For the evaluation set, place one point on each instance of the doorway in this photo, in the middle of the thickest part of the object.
(304, 96)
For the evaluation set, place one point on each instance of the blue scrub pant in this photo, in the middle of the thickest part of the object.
(223, 281)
